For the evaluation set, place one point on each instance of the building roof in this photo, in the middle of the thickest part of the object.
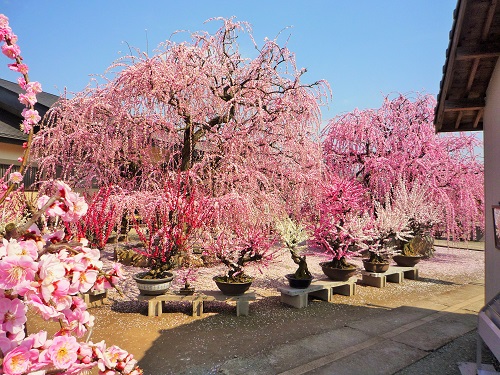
(11, 109)
(471, 57)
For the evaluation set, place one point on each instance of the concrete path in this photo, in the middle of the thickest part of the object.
(403, 340)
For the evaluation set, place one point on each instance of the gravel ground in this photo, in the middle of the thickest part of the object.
(177, 342)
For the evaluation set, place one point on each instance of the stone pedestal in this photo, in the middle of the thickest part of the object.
(155, 303)
(394, 274)
(321, 289)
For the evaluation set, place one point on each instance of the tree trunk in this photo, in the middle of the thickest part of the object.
(187, 148)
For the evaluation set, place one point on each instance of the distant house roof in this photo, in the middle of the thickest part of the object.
(11, 109)
(471, 57)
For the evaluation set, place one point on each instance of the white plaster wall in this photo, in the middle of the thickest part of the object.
(9, 153)
(492, 181)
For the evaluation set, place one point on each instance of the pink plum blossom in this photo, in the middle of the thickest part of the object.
(46, 311)
(37, 339)
(79, 303)
(44, 282)
(77, 207)
(51, 271)
(22, 82)
(34, 87)
(31, 116)
(63, 351)
(18, 360)
(82, 281)
(56, 209)
(70, 206)
(88, 257)
(26, 127)
(19, 248)
(11, 37)
(110, 358)
(59, 297)
(28, 99)
(15, 270)
(78, 320)
(17, 337)
(21, 68)
(54, 237)
(16, 178)
(12, 315)
(63, 189)
(11, 50)
(4, 21)
(6, 343)
(5, 33)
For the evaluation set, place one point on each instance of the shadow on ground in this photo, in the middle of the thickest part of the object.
(275, 338)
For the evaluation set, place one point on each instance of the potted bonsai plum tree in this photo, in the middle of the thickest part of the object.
(423, 214)
(338, 229)
(385, 227)
(236, 250)
(171, 221)
(294, 236)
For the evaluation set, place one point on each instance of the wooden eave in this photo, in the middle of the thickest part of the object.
(471, 57)
(11, 111)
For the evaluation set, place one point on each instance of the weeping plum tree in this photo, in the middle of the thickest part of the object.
(396, 144)
(244, 125)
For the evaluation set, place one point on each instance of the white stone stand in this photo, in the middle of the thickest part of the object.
(95, 299)
(320, 289)
(345, 288)
(394, 274)
(155, 303)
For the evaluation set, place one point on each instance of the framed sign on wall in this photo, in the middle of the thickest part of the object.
(496, 225)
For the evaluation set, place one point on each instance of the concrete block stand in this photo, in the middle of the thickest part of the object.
(394, 274)
(95, 299)
(322, 289)
(345, 288)
(299, 298)
(155, 303)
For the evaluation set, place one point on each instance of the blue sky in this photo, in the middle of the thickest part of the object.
(365, 49)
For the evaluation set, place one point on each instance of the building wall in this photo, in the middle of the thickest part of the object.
(9, 153)
(492, 181)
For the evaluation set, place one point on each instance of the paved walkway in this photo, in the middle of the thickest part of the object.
(404, 340)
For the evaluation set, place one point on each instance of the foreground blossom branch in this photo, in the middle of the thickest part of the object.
(31, 116)
(42, 271)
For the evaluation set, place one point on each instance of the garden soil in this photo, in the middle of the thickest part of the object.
(178, 343)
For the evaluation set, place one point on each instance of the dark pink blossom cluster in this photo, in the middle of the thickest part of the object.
(172, 219)
(103, 215)
(340, 224)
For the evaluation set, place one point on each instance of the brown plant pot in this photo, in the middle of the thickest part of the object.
(407, 260)
(232, 289)
(375, 267)
(338, 274)
(153, 287)
(298, 283)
